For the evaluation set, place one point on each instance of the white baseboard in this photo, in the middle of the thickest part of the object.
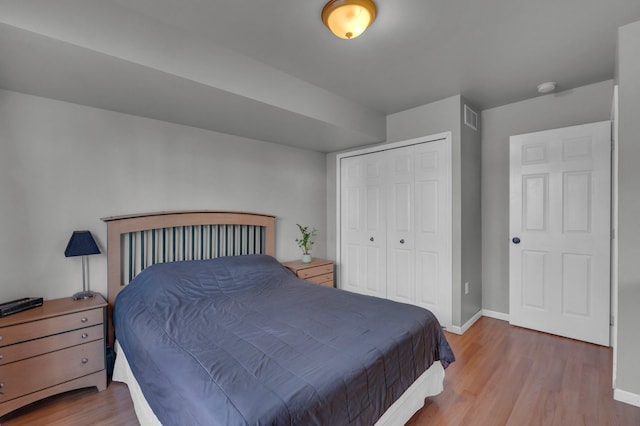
(461, 330)
(482, 313)
(626, 397)
(496, 315)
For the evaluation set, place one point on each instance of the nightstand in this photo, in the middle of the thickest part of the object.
(54, 348)
(318, 271)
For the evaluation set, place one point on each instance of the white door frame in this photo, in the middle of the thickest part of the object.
(614, 233)
(368, 150)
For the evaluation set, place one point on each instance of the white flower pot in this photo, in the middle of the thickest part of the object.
(306, 258)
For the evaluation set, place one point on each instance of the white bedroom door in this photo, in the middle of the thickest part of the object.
(363, 232)
(559, 261)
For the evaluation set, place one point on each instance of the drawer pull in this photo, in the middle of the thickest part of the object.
(0, 338)
(84, 335)
(1, 357)
(84, 319)
(1, 386)
(85, 360)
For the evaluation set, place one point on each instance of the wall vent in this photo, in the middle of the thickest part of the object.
(470, 118)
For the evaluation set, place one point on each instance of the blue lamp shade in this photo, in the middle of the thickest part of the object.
(81, 244)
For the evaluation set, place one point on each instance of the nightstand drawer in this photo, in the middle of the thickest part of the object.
(318, 270)
(325, 279)
(33, 374)
(49, 344)
(48, 326)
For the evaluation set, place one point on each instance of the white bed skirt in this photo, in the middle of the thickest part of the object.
(428, 384)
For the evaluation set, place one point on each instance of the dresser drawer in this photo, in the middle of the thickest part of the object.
(325, 279)
(48, 326)
(317, 270)
(36, 373)
(49, 344)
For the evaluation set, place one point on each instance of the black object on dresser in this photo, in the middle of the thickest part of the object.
(19, 305)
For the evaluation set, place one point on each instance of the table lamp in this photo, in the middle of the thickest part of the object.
(82, 244)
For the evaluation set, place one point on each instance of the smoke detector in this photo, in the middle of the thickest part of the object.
(547, 87)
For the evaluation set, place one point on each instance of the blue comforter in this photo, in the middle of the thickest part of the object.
(240, 340)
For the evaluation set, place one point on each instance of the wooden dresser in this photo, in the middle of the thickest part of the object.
(54, 348)
(318, 271)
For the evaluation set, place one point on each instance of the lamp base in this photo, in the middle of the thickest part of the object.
(83, 295)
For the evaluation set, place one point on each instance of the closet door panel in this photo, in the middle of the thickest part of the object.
(374, 239)
(433, 229)
(363, 269)
(427, 218)
(401, 267)
(428, 276)
(400, 226)
(351, 199)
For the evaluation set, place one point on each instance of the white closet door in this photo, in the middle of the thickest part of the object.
(363, 233)
(433, 229)
(401, 267)
(395, 225)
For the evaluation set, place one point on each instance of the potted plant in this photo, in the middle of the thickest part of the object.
(306, 242)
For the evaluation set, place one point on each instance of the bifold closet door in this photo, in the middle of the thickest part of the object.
(395, 225)
(419, 228)
(363, 232)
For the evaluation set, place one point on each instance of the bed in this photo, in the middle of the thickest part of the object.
(211, 329)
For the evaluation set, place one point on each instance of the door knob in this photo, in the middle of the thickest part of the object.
(516, 240)
(371, 239)
(402, 241)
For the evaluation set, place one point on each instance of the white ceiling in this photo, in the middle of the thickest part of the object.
(270, 70)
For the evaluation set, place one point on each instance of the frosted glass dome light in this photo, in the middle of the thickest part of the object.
(348, 19)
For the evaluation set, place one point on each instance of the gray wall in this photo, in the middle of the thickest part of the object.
(585, 104)
(64, 166)
(471, 217)
(436, 117)
(628, 373)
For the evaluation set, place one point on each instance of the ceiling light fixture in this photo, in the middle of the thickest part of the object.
(547, 87)
(348, 19)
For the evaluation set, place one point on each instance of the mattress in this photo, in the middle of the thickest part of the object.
(240, 340)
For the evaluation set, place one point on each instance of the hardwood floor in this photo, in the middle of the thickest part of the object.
(503, 376)
(111, 407)
(507, 375)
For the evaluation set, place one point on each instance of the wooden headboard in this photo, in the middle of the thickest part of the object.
(137, 241)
